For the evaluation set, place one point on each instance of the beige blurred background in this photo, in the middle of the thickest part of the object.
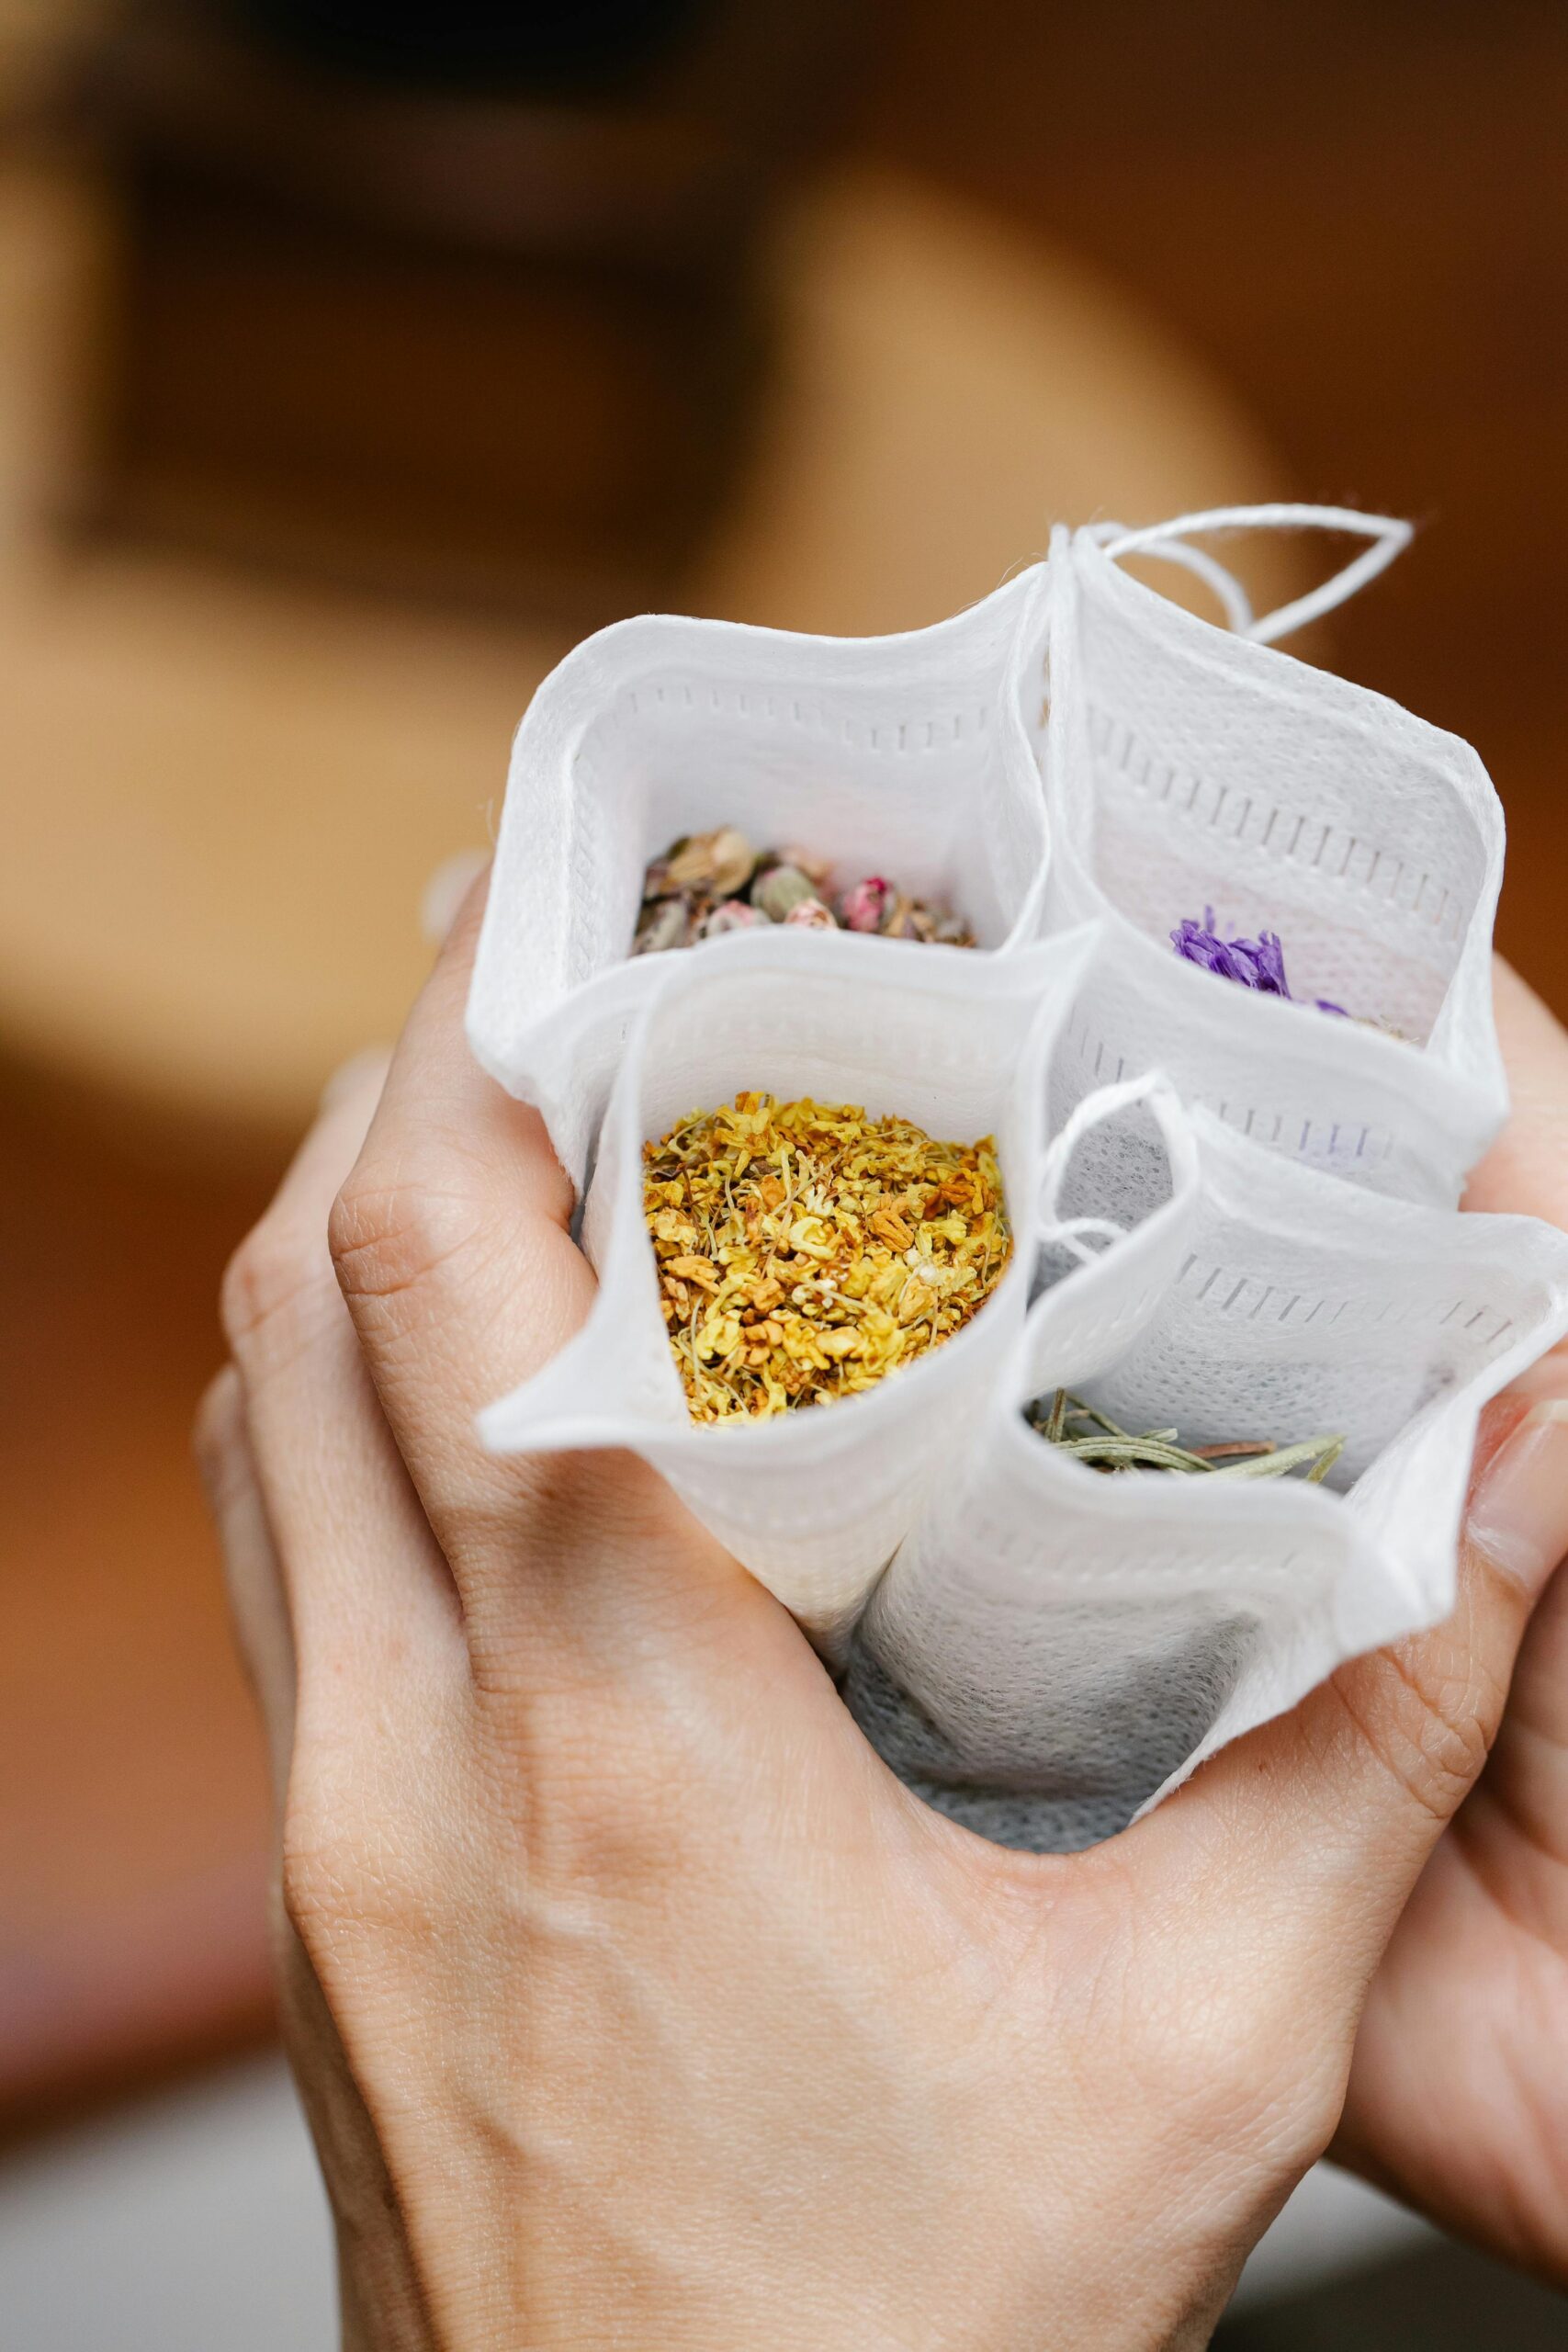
(341, 388)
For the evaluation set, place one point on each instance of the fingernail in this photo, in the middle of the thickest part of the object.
(445, 892)
(1519, 1513)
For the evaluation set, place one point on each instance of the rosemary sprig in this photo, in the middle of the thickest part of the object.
(1103, 1444)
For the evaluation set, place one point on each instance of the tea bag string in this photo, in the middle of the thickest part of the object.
(1075, 1233)
(1232, 598)
(1389, 536)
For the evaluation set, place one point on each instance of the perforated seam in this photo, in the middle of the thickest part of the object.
(1339, 857)
(959, 723)
(1363, 1142)
(1243, 1297)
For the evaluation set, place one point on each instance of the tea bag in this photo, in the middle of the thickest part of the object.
(1054, 1647)
(813, 1503)
(905, 755)
(1194, 775)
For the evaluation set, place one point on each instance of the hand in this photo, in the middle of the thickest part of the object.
(632, 2000)
(1459, 2095)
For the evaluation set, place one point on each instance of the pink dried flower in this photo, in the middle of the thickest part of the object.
(731, 914)
(862, 906)
(810, 914)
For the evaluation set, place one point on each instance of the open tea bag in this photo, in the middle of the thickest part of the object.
(813, 1503)
(905, 755)
(1193, 773)
(1054, 1647)
(1259, 1242)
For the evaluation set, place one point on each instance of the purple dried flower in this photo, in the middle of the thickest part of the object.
(1258, 964)
(1254, 963)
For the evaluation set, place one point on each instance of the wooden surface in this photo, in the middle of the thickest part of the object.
(223, 797)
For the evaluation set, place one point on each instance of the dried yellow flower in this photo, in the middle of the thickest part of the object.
(805, 1252)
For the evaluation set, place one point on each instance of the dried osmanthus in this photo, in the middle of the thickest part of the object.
(805, 1252)
(1093, 1438)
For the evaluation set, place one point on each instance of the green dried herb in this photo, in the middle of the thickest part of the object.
(1093, 1438)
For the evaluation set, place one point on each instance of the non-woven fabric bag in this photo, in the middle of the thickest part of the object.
(1196, 774)
(813, 1503)
(905, 755)
(1053, 1649)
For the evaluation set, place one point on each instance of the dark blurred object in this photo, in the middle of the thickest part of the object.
(573, 44)
(1356, 209)
(1425, 2303)
(496, 344)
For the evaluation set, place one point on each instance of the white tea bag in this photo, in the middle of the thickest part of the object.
(904, 756)
(813, 1503)
(1195, 776)
(1054, 1647)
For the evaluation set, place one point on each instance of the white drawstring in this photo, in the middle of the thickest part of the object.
(1233, 597)
(1152, 1088)
(1389, 536)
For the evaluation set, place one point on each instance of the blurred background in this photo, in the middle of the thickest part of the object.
(354, 360)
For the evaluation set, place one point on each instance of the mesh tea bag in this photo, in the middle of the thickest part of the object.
(899, 755)
(814, 1502)
(1195, 776)
(1054, 1647)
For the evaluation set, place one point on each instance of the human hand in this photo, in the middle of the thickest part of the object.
(1459, 2094)
(632, 2000)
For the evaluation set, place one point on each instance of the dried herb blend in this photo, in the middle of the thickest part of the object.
(1092, 1437)
(805, 1252)
(707, 883)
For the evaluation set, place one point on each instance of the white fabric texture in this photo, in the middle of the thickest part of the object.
(1246, 1225)
(814, 1503)
(905, 755)
(1053, 1649)
(1189, 768)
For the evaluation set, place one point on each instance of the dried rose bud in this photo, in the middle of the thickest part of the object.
(780, 890)
(810, 914)
(816, 870)
(731, 914)
(862, 906)
(718, 863)
(664, 924)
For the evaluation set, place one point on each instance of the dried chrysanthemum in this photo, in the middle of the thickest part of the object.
(805, 1252)
(1093, 1438)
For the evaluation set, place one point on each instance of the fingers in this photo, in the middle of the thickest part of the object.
(1525, 1173)
(453, 1248)
(1326, 1817)
(1337, 1805)
(256, 1597)
(364, 1578)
